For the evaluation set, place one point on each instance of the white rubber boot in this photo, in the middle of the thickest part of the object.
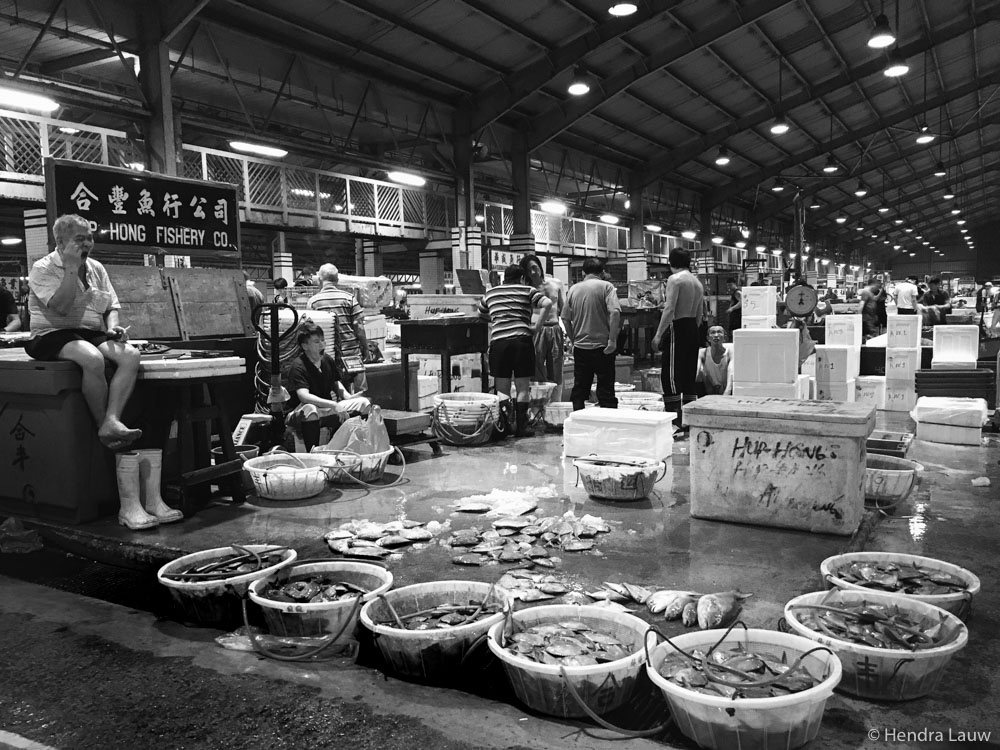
(131, 513)
(150, 466)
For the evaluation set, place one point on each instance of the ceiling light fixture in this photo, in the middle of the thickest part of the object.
(11, 241)
(882, 35)
(831, 165)
(256, 148)
(557, 208)
(815, 204)
(722, 158)
(741, 244)
(579, 84)
(654, 228)
(480, 218)
(780, 125)
(897, 220)
(778, 186)
(948, 193)
(689, 234)
(407, 178)
(717, 239)
(960, 222)
(138, 166)
(623, 9)
(897, 65)
(841, 219)
(939, 170)
(860, 228)
(861, 191)
(925, 136)
(24, 100)
(956, 210)
(907, 229)
(610, 219)
(69, 131)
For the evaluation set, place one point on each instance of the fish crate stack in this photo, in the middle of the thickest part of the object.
(902, 361)
(953, 421)
(954, 368)
(838, 361)
(955, 348)
(766, 363)
(760, 306)
(466, 376)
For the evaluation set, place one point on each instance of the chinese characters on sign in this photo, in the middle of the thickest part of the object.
(144, 209)
(500, 259)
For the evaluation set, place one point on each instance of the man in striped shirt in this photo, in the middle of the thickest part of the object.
(74, 316)
(350, 322)
(512, 349)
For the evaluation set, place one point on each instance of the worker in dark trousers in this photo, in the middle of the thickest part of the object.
(677, 335)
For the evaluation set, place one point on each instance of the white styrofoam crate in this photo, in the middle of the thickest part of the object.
(427, 385)
(619, 432)
(766, 390)
(956, 343)
(900, 395)
(902, 331)
(949, 434)
(803, 389)
(837, 364)
(902, 364)
(952, 411)
(759, 300)
(843, 330)
(870, 389)
(761, 356)
(970, 364)
(759, 321)
(375, 327)
(842, 392)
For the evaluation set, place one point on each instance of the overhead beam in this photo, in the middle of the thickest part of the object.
(38, 37)
(663, 166)
(560, 117)
(88, 57)
(184, 21)
(723, 194)
(503, 95)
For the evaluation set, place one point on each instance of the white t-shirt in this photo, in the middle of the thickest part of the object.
(89, 306)
(906, 295)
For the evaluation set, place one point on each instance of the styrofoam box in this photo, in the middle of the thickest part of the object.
(870, 389)
(767, 390)
(803, 390)
(956, 343)
(759, 321)
(943, 433)
(375, 327)
(841, 392)
(808, 367)
(902, 331)
(427, 385)
(843, 330)
(955, 412)
(902, 364)
(837, 364)
(900, 395)
(760, 300)
(765, 356)
(619, 432)
(970, 364)
(797, 464)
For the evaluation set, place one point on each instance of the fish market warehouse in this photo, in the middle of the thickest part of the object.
(768, 525)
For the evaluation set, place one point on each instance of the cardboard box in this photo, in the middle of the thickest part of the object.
(843, 330)
(837, 364)
(793, 464)
(903, 331)
(765, 356)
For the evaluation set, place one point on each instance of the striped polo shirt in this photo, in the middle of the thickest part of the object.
(508, 307)
(89, 306)
(349, 314)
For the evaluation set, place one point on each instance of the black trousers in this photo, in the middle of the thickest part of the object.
(588, 364)
(679, 362)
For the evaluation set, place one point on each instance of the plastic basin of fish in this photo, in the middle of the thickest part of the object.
(319, 618)
(216, 603)
(428, 655)
(602, 687)
(889, 479)
(958, 603)
(619, 477)
(719, 723)
(882, 673)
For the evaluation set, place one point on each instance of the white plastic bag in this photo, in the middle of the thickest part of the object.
(362, 436)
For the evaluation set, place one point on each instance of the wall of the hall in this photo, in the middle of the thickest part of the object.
(987, 241)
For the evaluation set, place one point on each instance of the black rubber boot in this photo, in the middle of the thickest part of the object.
(521, 417)
(310, 434)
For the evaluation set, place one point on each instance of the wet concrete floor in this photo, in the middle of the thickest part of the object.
(654, 543)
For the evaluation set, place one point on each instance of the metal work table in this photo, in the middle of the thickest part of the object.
(443, 336)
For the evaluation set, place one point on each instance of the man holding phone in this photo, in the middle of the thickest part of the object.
(74, 317)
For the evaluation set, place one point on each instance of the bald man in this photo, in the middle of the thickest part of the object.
(350, 318)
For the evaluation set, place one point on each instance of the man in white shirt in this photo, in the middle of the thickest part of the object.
(74, 317)
(906, 296)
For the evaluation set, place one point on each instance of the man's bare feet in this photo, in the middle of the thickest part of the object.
(116, 435)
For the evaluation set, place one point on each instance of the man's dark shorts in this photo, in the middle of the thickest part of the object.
(512, 355)
(48, 345)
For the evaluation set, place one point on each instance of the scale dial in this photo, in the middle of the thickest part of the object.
(801, 300)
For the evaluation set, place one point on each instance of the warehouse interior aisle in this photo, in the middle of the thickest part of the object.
(654, 543)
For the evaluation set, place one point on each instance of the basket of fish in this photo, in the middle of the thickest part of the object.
(741, 688)
(208, 586)
(350, 466)
(424, 631)
(891, 648)
(925, 579)
(550, 649)
(318, 598)
(619, 477)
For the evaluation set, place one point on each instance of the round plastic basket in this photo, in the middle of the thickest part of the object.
(556, 412)
(619, 477)
(603, 687)
(958, 603)
(287, 476)
(888, 480)
(216, 603)
(319, 618)
(640, 401)
(465, 418)
(429, 655)
(881, 673)
(348, 465)
(725, 724)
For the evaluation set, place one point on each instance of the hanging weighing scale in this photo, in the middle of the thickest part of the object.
(801, 300)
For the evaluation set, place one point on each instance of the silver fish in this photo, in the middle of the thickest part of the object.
(340, 546)
(393, 541)
(718, 610)
(659, 600)
(676, 607)
(467, 559)
(473, 507)
(689, 613)
(416, 534)
(639, 594)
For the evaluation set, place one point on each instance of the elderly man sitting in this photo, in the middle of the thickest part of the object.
(74, 316)
(315, 387)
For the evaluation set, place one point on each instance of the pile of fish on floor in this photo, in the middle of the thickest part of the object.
(706, 611)
(527, 539)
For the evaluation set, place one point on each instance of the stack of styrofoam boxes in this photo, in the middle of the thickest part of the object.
(954, 421)
(955, 347)
(375, 329)
(760, 305)
(838, 361)
(837, 368)
(766, 363)
(466, 371)
(902, 360)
